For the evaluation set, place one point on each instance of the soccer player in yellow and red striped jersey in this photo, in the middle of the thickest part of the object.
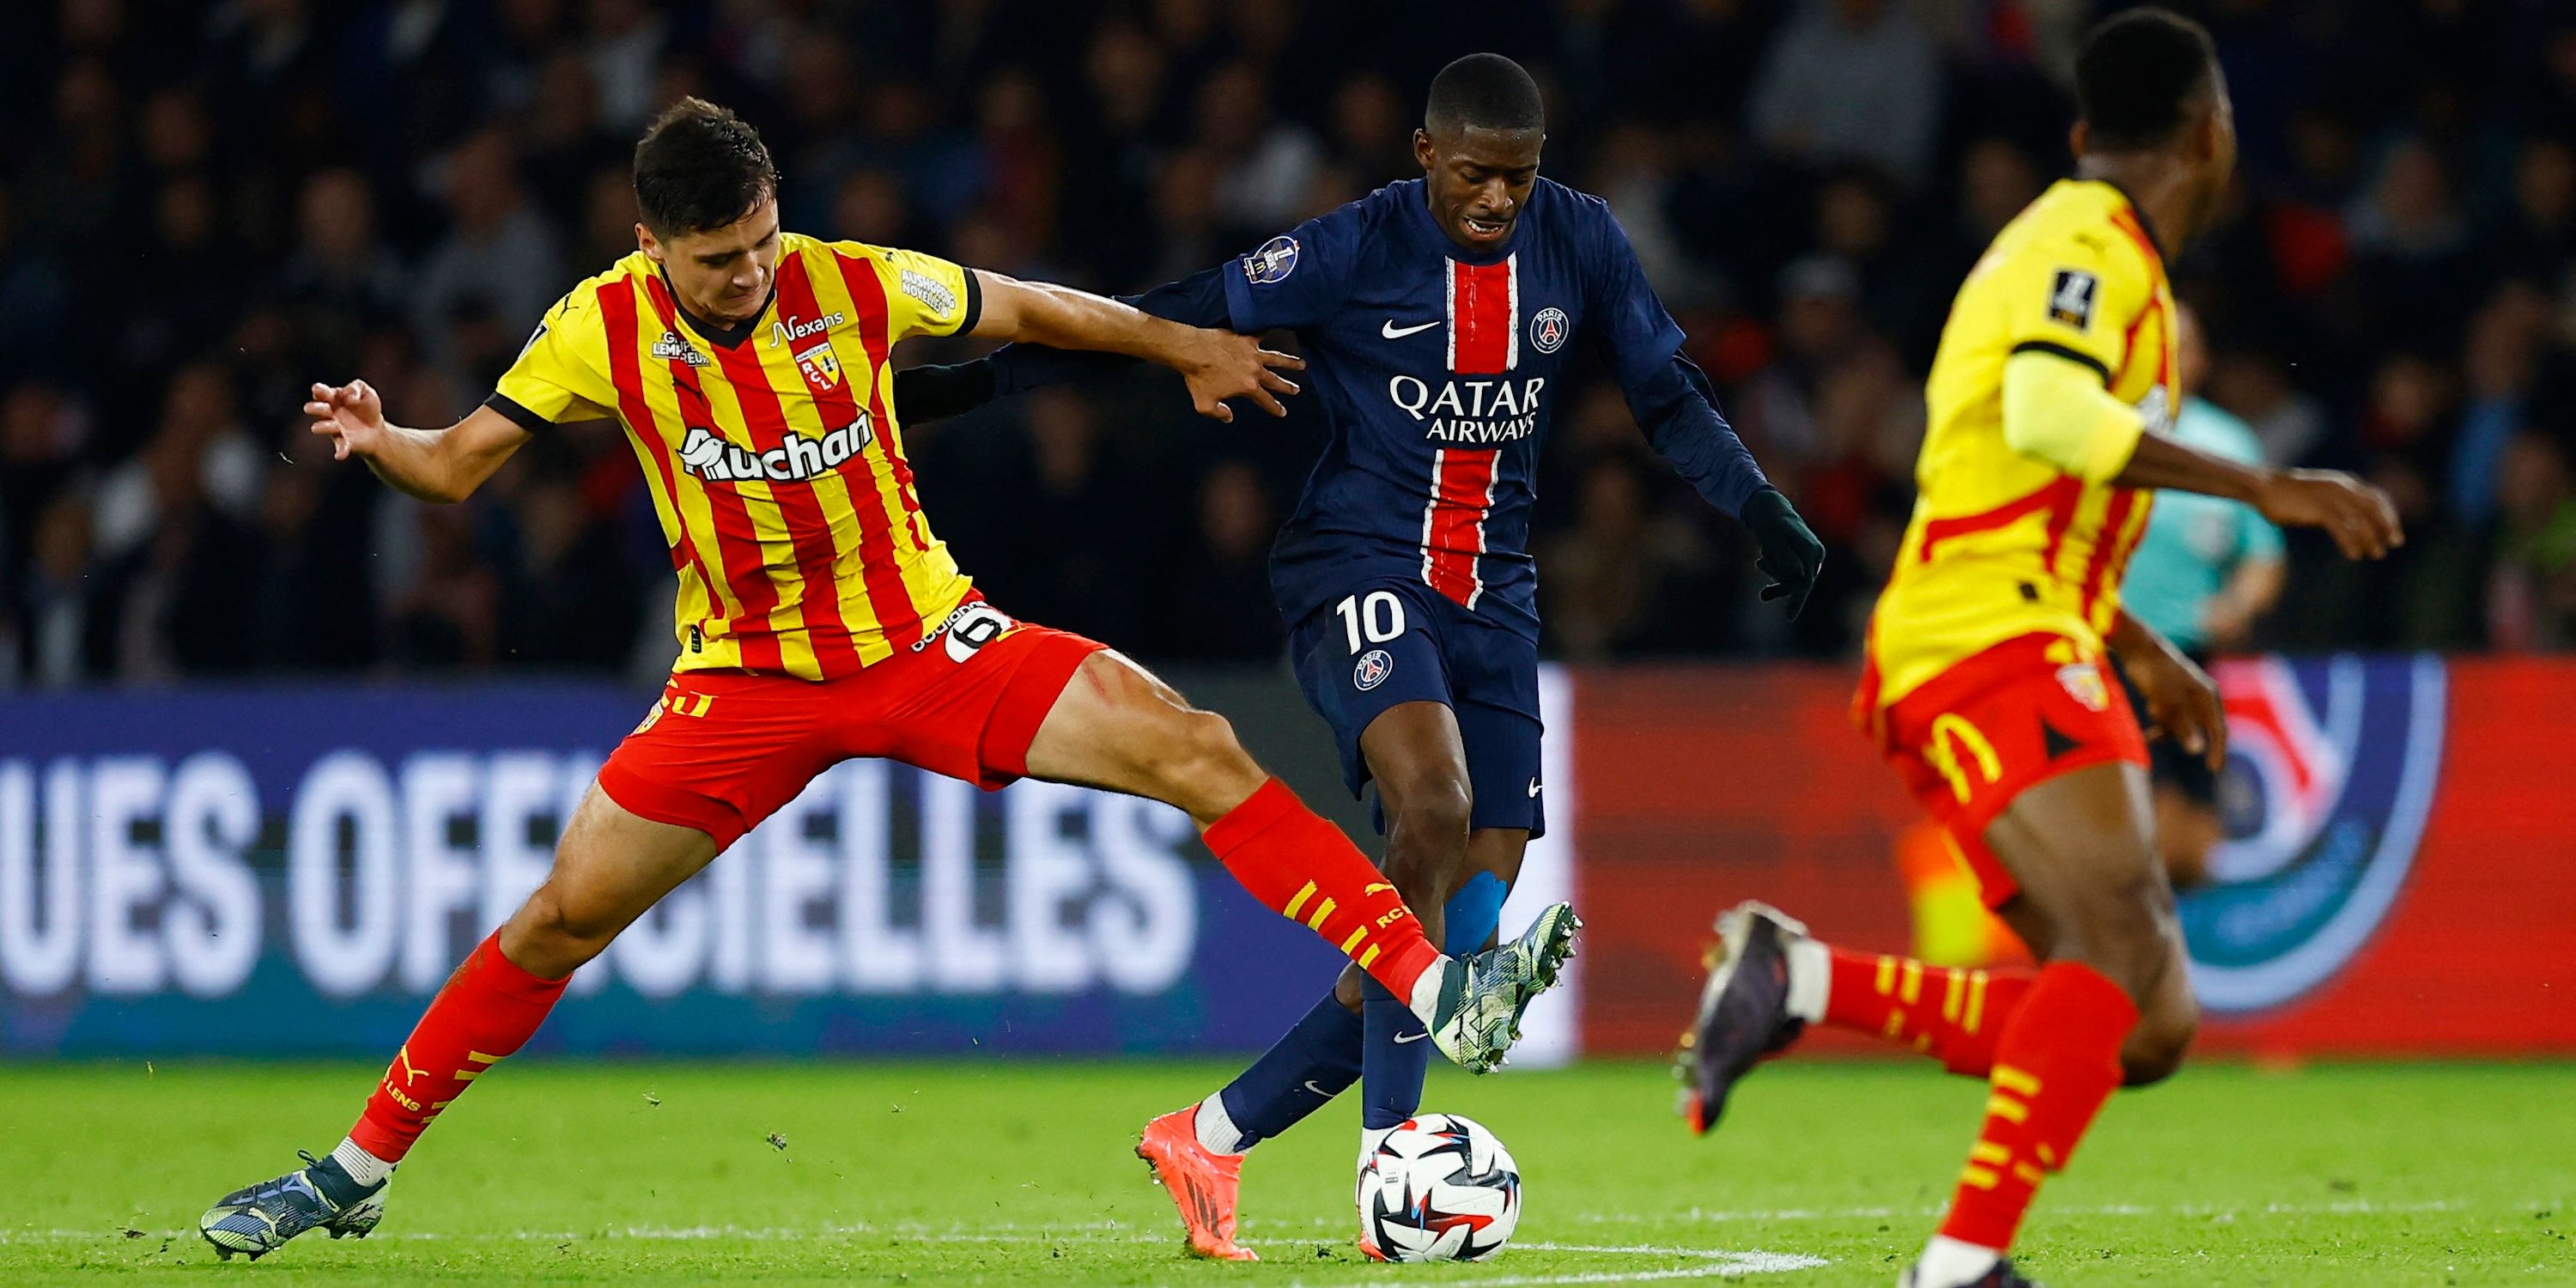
(1985, 680)
(819, 620)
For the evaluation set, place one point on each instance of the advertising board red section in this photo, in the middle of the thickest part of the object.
(2400, 878)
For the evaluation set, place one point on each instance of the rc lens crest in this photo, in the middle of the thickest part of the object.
(821, 366)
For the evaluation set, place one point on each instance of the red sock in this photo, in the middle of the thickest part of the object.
(2057, 1061)
(1304, 869)
(486, 1011)
(1955, 1016)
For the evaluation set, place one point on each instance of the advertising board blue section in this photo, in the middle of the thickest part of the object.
(295, 871)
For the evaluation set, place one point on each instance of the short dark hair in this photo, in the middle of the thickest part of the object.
(1484, 92)
(2136, 74)
(699, 166)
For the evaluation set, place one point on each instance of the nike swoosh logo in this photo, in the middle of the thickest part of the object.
(1400, 1038)
(1393, 332)
(1310, 1086)
(1533, 788)
(1373, 887)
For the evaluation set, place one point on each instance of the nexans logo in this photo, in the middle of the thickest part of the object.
(800, 458)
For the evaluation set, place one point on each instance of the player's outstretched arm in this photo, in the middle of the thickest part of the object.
(2359, 516)
(1218, 365)
(440, 465)
(2056, 410)
(931, 392)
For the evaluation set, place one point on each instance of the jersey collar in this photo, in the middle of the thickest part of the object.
(726, 337)
(2139, 212)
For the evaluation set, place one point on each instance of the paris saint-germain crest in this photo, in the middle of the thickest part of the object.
(1549, 328)
(2331, 767)
(1276, 259)
(1373, 668)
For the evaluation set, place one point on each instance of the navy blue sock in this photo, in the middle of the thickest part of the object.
(1395, 1047)
(1395, 1055)
(1317, 1059)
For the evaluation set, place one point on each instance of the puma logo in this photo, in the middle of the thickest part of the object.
(402, 1060)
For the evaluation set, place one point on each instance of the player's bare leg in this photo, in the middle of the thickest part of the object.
(1419, 762)
(1117, 727)
(2094, 891)
(610, 866)
(2186, 831)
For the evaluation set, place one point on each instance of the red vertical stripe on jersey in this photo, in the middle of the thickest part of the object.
(2127, 222)
(888, 598)
(2110, 549)
(868, 290)
(746, 568)
(1484, 321)
(2069, 492)
(1453, 524)
(625, 370)
(2164, 349)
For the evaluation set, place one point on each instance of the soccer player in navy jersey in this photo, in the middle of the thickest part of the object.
(1437, 317)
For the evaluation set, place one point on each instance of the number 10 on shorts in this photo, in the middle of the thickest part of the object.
(1379, 618)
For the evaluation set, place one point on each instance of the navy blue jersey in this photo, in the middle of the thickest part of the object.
(1439, 368)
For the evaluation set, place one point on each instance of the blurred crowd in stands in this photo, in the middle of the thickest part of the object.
(205, 207)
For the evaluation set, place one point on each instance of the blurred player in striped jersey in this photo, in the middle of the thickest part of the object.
(820, 620)
(1986, 681)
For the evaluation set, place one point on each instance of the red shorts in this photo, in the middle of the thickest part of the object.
(1998, 724)
(722, 750)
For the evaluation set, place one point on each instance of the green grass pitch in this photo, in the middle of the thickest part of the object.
(1005, 1173)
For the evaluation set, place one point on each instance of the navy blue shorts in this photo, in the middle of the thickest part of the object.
(1397, 641)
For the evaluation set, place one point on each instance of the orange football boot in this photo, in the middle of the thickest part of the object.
(1202, 1183)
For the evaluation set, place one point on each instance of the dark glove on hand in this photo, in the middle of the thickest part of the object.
(925, 394)
(1791, 556)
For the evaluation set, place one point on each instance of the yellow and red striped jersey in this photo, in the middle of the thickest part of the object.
(2002, 544)
(771, 448)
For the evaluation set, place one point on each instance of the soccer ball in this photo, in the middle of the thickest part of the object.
(1438, 1188)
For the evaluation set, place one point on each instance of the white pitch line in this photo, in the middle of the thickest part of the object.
(1717, 1265)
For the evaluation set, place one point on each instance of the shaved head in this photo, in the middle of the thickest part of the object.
(1483, 92)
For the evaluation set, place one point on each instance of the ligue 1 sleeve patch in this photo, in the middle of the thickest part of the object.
(2070, 298)
(1273, 262)
(930, 292)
